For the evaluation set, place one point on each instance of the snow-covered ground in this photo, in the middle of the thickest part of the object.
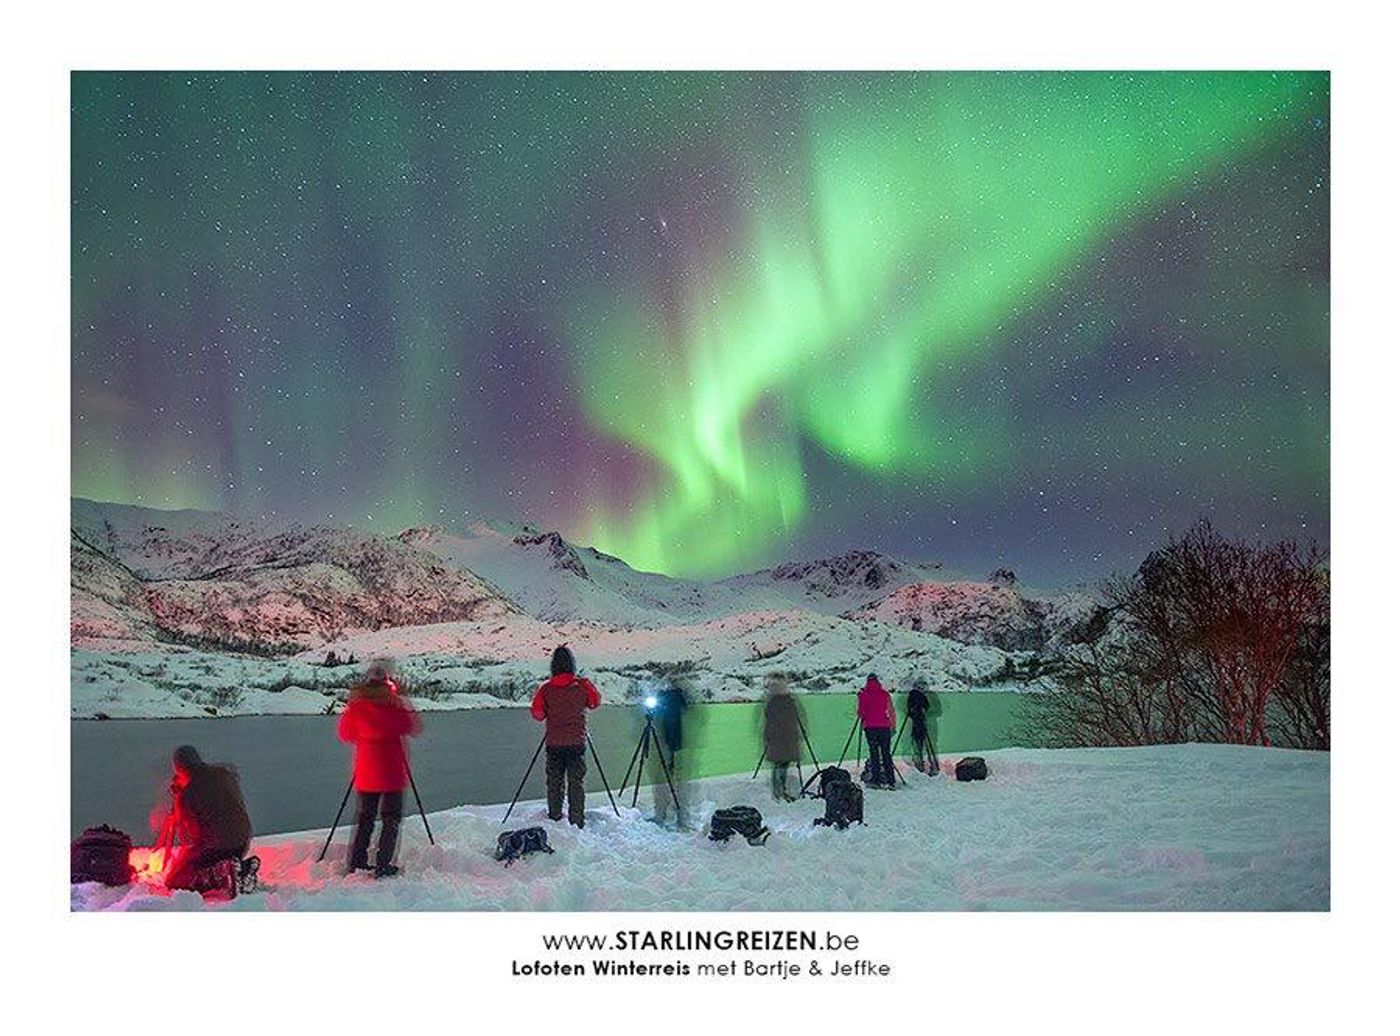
(471, 664)
(1179, 827)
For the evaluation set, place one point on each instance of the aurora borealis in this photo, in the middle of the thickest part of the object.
(710, 321)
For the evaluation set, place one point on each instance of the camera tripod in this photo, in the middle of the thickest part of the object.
(816, 766)
(351, 787)
(535, 758)
(927, 743)
(639, 758)
(856, 726)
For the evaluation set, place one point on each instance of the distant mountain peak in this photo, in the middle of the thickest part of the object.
(562, 554)
(854, 570)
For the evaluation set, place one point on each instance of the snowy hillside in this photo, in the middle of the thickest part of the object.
(1173, 827)
(995, 613)
(206, 579)
(197, 613)
(466, 664)
(552, 579)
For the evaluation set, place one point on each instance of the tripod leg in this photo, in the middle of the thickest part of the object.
(897, 772)
(604, 777)
(665, 769)
(518, 790)
(803, 727)
(846, 747)
(628, 775)
(416, 798)
(348, 788)
(895, 747)
(642, 748)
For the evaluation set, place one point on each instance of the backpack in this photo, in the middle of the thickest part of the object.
(512, 845)
(971, 768)
(101, 854)
(825, 778)
(740, 820)
(845, 805)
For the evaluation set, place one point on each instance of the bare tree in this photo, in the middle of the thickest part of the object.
(1238, 609)
(1195, 646)
(1304, 697)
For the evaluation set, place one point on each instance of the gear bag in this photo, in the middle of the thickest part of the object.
(101, 854)
(738, 820)
(971, 768)
(845, 805)
(825, 778)
(512, 845)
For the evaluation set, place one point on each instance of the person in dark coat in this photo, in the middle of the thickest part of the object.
(782, 734)
(209, 819)
(920, 707)
(376, 721)
(875, 708)
(560, 703)
(673, 730)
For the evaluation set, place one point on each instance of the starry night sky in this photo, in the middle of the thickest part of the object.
(707, 322)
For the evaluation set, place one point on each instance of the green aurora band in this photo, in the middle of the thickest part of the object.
(934, 216)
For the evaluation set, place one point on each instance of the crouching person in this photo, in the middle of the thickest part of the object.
(560, 703)
(376, 721)
(208, 819)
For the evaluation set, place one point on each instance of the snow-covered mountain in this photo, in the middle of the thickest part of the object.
(996, 612)
(169, 609)
(552, 579)
(206, 578)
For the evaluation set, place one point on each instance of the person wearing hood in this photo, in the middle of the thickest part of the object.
(875, 708)
(560, 703)
(782, 733)
(376, 721)
(208, 818)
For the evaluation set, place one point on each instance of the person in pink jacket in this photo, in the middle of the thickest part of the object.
(875, 708)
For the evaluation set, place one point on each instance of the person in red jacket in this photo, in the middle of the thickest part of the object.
(560, 703)
(376, 720)
(875, 708)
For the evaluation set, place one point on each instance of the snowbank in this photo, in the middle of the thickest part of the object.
(1182, 827)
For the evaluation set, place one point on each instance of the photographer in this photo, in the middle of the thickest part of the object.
(875, 708)
(560, 703)
(782, 732)
(671, 703)
(918, 708)
(209, 819)
(376, 720)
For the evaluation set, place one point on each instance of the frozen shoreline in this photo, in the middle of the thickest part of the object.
(1182, 827)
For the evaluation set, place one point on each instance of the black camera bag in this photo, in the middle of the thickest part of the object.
(738, 820)
(512, 845)
(845, 805)
(971, 768)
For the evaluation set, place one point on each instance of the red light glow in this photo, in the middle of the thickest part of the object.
(148, 863)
